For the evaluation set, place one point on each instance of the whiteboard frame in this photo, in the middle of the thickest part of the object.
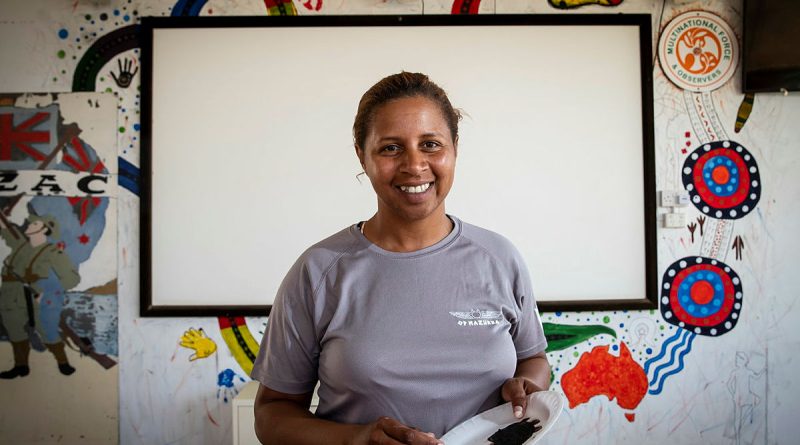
(161, 306)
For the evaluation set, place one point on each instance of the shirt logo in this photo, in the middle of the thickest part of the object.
(477, 317)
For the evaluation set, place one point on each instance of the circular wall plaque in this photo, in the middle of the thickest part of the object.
(698, 51)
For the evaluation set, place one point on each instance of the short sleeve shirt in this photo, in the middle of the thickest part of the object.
(427, 337)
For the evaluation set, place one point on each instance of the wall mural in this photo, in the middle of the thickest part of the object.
(198, 341)
(465, 7)
(623, 379)
(608, 364)
(58, 221)
(570, 4)
(56, 198)
(240, 341)
(701, 295)
(745, 109)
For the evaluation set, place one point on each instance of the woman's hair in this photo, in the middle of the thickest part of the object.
(398, 86)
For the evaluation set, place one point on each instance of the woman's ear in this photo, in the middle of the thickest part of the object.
(455, 146)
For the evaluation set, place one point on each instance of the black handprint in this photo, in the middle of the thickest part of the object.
(125, 75)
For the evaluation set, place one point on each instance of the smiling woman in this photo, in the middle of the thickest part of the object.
(350, 313)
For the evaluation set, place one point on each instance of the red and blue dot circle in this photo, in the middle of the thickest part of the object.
(722, 179)
(702, 295)
(721, 174)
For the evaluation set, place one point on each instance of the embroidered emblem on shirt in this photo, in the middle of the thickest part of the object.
(477, 317)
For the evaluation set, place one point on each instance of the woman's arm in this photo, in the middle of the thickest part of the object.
(284, 419)
(532, 374)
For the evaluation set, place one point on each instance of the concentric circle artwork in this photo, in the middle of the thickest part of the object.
(722, 179)
(701, 295)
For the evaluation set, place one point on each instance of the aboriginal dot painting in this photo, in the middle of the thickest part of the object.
(722, 179)
(702, 295)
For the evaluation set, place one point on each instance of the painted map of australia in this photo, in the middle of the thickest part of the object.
(600, 373)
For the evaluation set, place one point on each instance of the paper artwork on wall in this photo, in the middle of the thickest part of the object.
(58, 162)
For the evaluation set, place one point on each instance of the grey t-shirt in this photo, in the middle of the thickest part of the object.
(427, 337)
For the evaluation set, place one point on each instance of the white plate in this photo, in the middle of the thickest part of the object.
(544, 405)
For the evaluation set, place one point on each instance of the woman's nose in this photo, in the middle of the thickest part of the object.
(415, 162)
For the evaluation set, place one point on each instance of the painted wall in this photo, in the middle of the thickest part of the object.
(662, 384)
(59, 160)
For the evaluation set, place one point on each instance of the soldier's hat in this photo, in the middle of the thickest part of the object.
(48, 222)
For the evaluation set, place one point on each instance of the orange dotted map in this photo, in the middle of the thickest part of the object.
(600, 373)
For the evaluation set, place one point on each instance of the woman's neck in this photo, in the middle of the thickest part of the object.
(406, 236)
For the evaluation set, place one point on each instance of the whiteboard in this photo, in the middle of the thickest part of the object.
(248, 157)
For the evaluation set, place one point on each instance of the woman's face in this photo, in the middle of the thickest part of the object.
(410, 158)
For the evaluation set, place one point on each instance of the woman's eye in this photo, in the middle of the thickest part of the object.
(431, 145)
(390, 149)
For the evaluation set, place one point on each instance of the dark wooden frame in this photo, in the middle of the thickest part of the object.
(770, 80)
(643, 21)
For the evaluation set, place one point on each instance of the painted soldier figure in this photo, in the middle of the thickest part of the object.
(36, 275)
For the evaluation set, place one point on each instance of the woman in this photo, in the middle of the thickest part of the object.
(411, 321)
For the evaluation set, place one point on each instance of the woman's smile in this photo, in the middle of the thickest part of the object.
(415, 189)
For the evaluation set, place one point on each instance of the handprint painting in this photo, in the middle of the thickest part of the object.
(198, 341)
(126, 73)
(58, 308)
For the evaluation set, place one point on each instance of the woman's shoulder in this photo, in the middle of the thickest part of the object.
(498, 246)
(488, 239)
(328, 250)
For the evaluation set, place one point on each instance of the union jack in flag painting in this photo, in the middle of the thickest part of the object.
(27, 136)
(80, 157)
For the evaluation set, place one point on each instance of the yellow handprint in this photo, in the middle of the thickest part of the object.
(197, 340)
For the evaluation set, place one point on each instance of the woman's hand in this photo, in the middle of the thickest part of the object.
(388, 431)
(516, 390)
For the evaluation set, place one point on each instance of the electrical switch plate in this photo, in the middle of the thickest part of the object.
(674, 220)
(674, 198)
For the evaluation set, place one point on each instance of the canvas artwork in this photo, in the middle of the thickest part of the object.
(58, 297)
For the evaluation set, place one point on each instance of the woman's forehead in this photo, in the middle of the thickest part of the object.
(409, 111)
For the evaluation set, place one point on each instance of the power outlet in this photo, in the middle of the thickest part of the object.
(674, 198)
(674, 220)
